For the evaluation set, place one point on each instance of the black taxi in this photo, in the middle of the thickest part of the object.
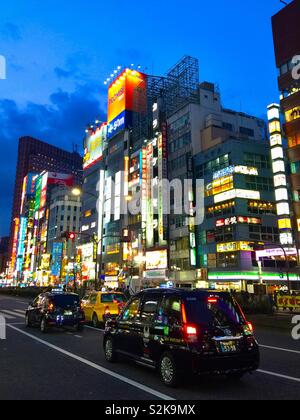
(183, 332)
(55, 309)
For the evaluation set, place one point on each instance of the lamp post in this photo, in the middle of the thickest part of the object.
(287, 262)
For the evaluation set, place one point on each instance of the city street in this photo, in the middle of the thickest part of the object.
(71, 365)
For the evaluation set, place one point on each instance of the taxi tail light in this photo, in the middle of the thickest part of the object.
(250, 327)
(107, 310)
(212, 300)
(191, 330)
(51, 307)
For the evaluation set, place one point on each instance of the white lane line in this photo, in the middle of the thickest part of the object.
(279, 349)
(278, 375)
(93, 328)
(7, 316)
(98, 367)
(78, 336)
(12, 313)
(20, 311)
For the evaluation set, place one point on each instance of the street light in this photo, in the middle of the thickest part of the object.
(287, 262)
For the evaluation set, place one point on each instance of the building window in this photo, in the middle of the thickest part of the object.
(223, 209)
(247, 131)
(257, 161)
(215, 165)
(227, 260)
(261, 207)
(264, 233)
(259, 183)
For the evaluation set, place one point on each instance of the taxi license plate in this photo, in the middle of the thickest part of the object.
(228, 347)
(68, 313)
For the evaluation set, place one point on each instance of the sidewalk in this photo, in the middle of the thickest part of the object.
(280, 320)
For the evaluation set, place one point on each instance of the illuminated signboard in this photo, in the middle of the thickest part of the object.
(244, 170)
(94, 145)
(229, 195)
(157, 260)
(234, 247)
(275, 252)
(240, 219)
(285, 224)
(292, 114)
(250, 275)
(116, 125)
(21, 243)
(57, 254)
(125, 95)
(38, 193)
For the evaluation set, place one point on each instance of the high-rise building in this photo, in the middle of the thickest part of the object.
(35, 156)
(286, 32)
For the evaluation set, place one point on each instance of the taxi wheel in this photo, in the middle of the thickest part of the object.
(28, 324)
(168, 370)
(44, 327)
(110, 354)
(95, 321)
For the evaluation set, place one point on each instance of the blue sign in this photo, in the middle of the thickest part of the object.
(57, 254)
(121, 122)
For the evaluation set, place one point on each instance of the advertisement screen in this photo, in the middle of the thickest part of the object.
(157, 260)
(55, 178)
(126, 94)
(94, 145)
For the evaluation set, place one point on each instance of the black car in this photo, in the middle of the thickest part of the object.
(55, 310)
(183, 332)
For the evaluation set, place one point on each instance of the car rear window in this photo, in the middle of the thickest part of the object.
(64, 301)
(216, 311)
(112, 297)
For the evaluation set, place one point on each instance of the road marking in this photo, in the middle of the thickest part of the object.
(280, 349)
(20, 311)
(98, 367)
(278, 375)
(93, 328)
(78, 336)
(7, 316)
(12, 313)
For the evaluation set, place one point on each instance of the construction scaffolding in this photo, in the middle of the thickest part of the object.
(177, 89)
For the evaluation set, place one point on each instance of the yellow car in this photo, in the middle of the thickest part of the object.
(100, 306)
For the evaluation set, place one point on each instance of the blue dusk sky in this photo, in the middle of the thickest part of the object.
(58, 54)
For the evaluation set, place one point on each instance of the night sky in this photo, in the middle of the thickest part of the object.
(58, 54)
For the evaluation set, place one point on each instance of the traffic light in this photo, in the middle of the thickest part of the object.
(71, 236)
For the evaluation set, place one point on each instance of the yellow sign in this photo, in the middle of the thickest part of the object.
(286, 301)
(234, 247)
(285, 224)
(292, 114)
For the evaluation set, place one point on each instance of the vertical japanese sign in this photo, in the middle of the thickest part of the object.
(150, 210)
(162, 174)
(57, 255)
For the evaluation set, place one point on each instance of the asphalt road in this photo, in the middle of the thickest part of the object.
(71, 366)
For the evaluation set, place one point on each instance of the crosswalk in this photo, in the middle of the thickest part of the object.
(14, 314)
